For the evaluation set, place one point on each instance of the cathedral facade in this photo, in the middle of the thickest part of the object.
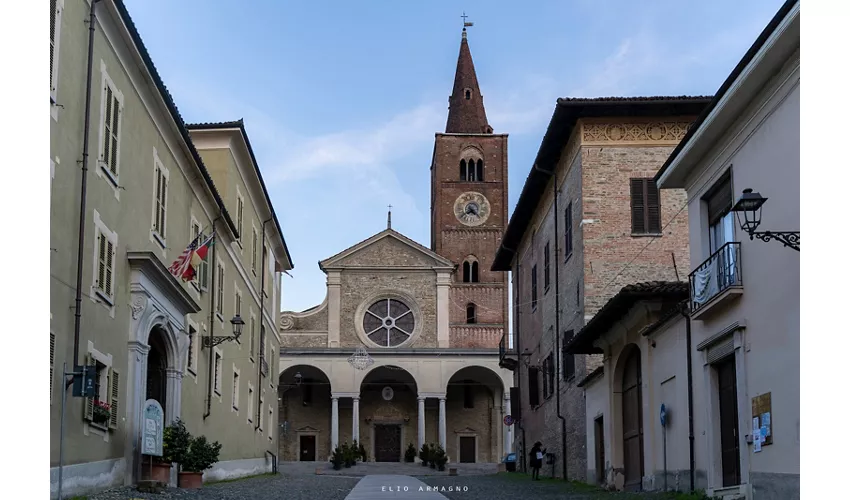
(404, 348)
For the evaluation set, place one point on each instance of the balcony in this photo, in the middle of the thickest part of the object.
(507, 354)
(716, 281)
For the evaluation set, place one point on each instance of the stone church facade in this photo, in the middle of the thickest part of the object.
(404, 348)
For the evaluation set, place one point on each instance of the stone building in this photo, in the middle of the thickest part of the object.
(589, 221)
(403, 350)
(153, 184)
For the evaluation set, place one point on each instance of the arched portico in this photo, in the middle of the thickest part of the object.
(476, 389)
(304, 412)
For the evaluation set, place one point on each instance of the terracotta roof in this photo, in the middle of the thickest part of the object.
(567, 113)
(240, 124)
(591, 376)
(671, 313)
(173, 111)
(466, 116)
(736, 72)
(619, 305)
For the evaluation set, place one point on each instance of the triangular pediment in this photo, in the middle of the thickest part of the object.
(307, 428)
(388, 249)
(466, 430)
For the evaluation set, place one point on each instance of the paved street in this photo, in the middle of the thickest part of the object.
(507, 486)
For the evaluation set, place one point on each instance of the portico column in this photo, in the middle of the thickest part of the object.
(443, 422)
(334, 423)
(355, 420)
(173, 393)
(421, 423)
(508, 437)
(137, 373)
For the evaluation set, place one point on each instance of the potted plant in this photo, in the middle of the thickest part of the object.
(423, 455)
(440, 458)
(432, 456)
(363, 455)
(201, 456)
(175, 445)
(410, 453)
(337, 458)
(100, 413)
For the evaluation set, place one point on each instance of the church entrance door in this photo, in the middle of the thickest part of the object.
(387, 443)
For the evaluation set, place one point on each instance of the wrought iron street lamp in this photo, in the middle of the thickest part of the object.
(237, 323)
(750, 205)
(298, 378)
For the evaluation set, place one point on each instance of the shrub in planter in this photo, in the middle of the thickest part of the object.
(432, 455)
(440, 458)
(410, 453)
(175, 443)
(337, 458)
(201, 456)
(363, 455)
(423, 454)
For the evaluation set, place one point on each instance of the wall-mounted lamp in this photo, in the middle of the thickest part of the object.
(298, 378)
(236, 323)
(750, 205)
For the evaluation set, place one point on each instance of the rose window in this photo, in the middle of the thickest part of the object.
(388, 322)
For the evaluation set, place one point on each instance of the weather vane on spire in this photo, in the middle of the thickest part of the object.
(390, 217)
(465, 23)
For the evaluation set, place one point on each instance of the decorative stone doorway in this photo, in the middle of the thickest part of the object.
(387, 443)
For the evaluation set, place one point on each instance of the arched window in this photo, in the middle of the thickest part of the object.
(467, 272)
(468, 94)
(473, 275)
(470, 270)
(463, 170)
(471, 165)
(470, 314)
(479, 171)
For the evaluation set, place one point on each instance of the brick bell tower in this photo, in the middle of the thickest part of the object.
(469, 211)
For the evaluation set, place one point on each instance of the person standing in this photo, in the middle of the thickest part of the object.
(536, 456)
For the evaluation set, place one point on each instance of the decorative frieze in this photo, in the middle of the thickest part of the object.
(666, 132)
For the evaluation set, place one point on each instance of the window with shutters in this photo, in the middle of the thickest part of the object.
(270, 276)
(568, 231)
(52, 362)
(235, 389)
(549, 374)
(534, 287)
(240, 215)
(260, 423)
(217, 373)
(112, 107)
(160, 199)
(646, 207)
(271, 419)
(254, 240)
(568, 360)
(250, 403)
(105, 249)
(219, 290)
(533, 387)
(107, 392)
(253, 336)
(202, 278)
(56, 8)
(191, 355)
(546, 268)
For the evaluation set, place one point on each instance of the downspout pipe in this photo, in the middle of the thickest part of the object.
(518, 336)
(78, 299)
(212, 321)
(261, 355)
(558, 355)
(683, 309)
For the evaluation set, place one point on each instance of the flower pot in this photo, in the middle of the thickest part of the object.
(190, 480)
(160, 472)
(337, 466)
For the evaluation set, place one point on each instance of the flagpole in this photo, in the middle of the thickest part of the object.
(212, 324)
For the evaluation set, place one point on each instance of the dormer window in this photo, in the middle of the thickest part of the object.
(467, 94)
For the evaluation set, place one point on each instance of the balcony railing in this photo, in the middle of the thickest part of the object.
(718, 274)
(507, 354)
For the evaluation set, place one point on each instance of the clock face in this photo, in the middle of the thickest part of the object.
(472, 209)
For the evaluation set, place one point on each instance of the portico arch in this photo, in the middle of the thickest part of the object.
(473, 392)
(304, 413)
(386, 411)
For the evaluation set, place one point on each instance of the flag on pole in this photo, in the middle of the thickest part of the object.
(185, 265)
(199, 255)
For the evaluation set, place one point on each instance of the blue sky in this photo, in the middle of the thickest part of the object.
(341, 99)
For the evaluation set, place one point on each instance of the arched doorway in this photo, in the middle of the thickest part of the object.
(387, 413)
(475, 394)
(304, 414)
(632, 405)
(157, 377)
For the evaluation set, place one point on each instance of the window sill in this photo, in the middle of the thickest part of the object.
(100, 427)
(105, 298)
(109, 175)
(646, 235)
(236, 409)
(216, 392)
(159, 239)
(545, 290)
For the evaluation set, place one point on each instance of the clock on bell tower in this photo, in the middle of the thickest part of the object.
(469, 199)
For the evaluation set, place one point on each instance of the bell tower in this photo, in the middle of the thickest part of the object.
(469, 199)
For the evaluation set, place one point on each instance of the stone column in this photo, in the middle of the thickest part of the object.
(443, 422)
(444, 282)
(136, 389)
(355, 420)
(508, 436)
(421, 423)
(173, 393)
(334, 423)
(334, 302)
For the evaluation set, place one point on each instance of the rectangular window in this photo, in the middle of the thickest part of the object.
(253, 337)
(254, 250)
(550, 374)
(105, 275)
(720, 218)
(237, 306)
(217, 375)
(159, 204)
(107, 392)
(568, 231)
(219, 306)
(271, 420)
(546, 268)
(260, 423)
(646, 206)
(201, 281)
(240, 211)
(250, 403)
(534, 287)
(468, 395)
(568, 360)
(191, 362)
(533, 387)
(111, 110)
(56, 8)
(235, 390)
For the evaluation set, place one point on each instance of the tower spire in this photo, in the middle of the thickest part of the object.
(389, 216)
(466, 105)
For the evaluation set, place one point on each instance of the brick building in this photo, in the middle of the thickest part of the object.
(403, 351)
(606, 226)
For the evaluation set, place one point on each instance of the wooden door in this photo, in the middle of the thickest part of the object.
(599, 439)
(307, 449)
(632, 423)
(730, 456)
(387, 443)
(467, 450)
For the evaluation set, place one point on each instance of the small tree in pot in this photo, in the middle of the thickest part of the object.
(175, 445)
(363, 455)
(337, 459)
(410, 453)
(201, 456)
(432, 455)
(440, 458)
(423, 454)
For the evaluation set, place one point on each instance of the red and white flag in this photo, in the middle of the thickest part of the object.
(184, 266)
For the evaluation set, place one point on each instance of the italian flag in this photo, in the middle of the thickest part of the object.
(198, 255)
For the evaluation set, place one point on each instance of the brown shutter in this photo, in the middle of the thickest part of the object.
(638, 206)
(114, 394)
(88, 405)
(113, 158)
(533, 388)
(719, 201)
(52, 359)
(52, 37)
(568, 230)
(107, 121)
(653, 207)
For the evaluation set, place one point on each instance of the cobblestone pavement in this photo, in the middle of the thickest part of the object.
(370, 468)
